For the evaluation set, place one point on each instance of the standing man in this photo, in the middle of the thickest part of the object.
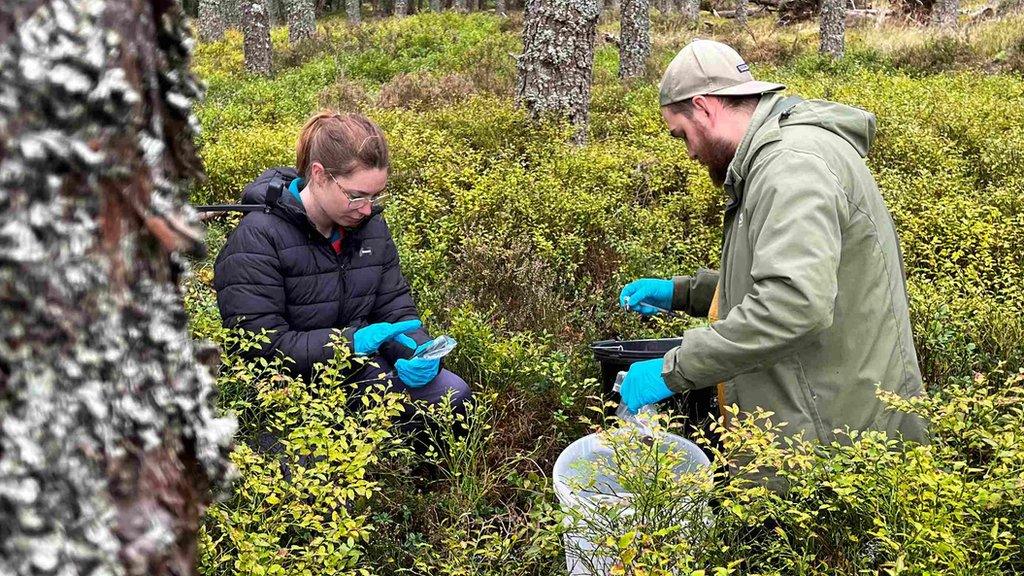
(811, 297)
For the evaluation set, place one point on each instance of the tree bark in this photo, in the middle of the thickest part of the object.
(256, 30)
(461, 6)
(501, 8)
(741, 12)
(634, 39)
(833, 27)
(109, 444)
(401, 8)
(301, 20)
(210, 23)
(354, 11)
(436, 6)
(690, 9)
(944, 14)
(555, 70)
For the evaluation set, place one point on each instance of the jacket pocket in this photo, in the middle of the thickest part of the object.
(810, 400)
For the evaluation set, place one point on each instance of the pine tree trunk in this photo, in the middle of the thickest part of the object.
(301, 20)
(460, 6)
(690, 9)
(634, 38)
(833, 27)
(231, 12)
(401, 8)
(436, 6)
(354, 11)
(556, 67)
(944, 14)
(501, 8)
(210, 24)
(256, 29)
(741, 12)
(109, 445)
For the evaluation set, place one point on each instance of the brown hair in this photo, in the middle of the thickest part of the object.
(342, 143)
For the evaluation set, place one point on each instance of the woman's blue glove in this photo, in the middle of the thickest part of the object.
(368, 339)
(645, 294)
(416, 372)
(644, 385)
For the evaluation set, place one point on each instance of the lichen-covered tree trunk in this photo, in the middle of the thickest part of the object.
(634, 38)
(690, 9)
(461, 6)
(555, 70)
(944, 14)
(353, 10)
(109, 445)
(741, 12)
(256, 30)
(231, 12)
(401, 8)
(436, 6)
(211, 22)
(301, 20)
(501, 8)
(833, 27)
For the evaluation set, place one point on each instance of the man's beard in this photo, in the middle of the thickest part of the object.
(717, 156)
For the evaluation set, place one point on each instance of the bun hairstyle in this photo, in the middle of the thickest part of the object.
(342, 143)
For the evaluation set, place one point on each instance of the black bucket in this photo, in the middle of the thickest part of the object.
(699, 406)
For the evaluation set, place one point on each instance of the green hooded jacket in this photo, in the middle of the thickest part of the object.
(812, 293)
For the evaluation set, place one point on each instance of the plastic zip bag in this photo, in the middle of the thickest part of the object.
(439, 348)
(640, 419)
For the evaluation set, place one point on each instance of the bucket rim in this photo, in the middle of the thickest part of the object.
(567, 498)
(612, 343)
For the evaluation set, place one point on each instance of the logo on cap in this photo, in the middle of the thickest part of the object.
(743, 67)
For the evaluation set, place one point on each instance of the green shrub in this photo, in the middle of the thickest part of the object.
(312, 518)
(516, 242)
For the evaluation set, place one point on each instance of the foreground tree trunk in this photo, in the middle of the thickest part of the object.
(211, 22)
(634, 38)
(944, 14)
(301, 20)
(109, 445)
(256, 29)
(833, 27)
(555, 70)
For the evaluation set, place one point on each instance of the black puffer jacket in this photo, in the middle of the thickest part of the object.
(277, 272)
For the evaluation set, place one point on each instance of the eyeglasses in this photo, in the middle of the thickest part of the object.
(357, 202)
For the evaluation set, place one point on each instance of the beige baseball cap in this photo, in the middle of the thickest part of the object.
(705, 67)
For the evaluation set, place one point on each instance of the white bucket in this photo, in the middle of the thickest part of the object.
(580, 558)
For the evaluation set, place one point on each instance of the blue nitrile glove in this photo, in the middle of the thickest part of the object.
(638, 294)
(368, 339)
(416, 372)
(644, 385)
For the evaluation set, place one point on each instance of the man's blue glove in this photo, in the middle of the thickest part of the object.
(416, 372)
(368, 339)
(644, 385)
(644, 294)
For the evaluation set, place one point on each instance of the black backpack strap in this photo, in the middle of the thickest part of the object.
(783, 108)
(274, 192)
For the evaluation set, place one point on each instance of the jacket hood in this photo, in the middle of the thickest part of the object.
(854, 125)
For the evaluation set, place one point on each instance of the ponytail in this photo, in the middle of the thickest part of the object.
(342, 143)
